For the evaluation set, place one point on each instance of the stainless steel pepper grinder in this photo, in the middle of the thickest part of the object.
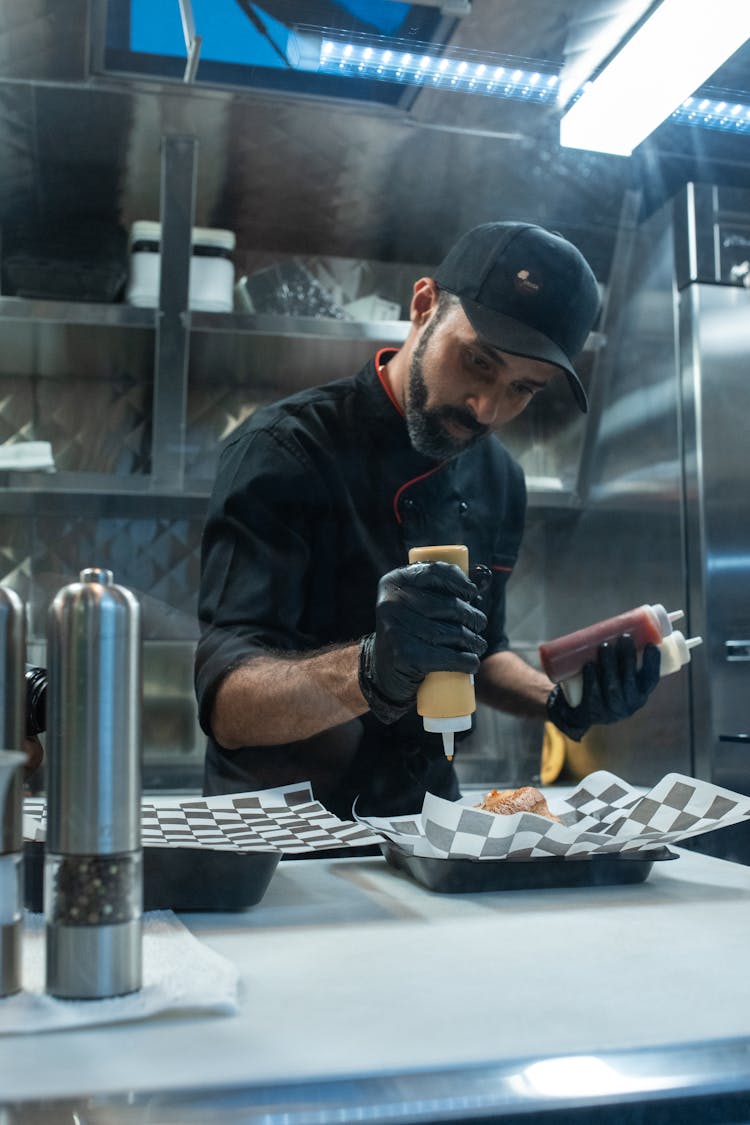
(93, 882)
(12, 714)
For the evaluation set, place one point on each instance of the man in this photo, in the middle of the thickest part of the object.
(314, 633)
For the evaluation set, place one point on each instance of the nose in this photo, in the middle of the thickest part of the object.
(484, 407)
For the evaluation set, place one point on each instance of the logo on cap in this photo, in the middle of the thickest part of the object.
(526, 284)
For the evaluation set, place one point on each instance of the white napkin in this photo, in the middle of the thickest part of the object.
(180, 973)
(27, 456)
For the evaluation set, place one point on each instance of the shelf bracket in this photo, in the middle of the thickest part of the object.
(178, 179)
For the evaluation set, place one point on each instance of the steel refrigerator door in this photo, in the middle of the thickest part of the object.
(715, 351)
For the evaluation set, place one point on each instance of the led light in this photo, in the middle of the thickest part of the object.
(713, 114)
(635, 92)
(455, 69)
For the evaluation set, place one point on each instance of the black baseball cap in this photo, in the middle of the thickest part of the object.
(527, 291)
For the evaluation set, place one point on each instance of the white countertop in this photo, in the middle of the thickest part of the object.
(350, 969)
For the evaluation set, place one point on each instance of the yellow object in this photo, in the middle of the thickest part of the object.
(553, 754)
(445, 700)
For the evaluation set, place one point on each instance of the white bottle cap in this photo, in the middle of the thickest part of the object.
(663, 618)
(675, 651)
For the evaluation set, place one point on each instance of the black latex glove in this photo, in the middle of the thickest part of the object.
(613, 688)
(424, 622)
(481, 576)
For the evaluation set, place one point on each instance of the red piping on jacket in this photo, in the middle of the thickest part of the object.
(380, 368)
(408, 484)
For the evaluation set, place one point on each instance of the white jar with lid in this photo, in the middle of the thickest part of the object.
(211, 285)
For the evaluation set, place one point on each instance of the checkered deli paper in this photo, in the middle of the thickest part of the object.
(287, 819)
(603, 815)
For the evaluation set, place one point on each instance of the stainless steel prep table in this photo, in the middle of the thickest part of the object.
(365, 997)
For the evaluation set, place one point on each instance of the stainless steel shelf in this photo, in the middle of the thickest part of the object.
(90, 313)
(549, 492)
(97, 495)
(300, 326)
(65, 492)
(128, 316)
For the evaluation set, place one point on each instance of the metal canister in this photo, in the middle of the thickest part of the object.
(12, 714)
(93, 882)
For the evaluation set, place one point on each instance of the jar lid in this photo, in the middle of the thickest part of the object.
(144, 230)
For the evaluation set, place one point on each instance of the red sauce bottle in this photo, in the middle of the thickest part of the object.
(564, 657)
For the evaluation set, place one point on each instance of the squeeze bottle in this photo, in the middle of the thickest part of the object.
(445, 700)
(563, 658)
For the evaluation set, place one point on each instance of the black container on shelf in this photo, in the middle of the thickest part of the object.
(67, 260)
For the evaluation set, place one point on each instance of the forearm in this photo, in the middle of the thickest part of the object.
(508, 683)
(271, 700)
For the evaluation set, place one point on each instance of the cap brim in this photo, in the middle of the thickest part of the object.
(509, 335)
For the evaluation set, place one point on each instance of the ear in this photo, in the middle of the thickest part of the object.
(423, 302)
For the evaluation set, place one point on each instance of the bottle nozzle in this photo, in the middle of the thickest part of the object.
(447, 727)
(691, 642)
(676, 614)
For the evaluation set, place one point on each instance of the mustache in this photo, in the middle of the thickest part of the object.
(463, 418)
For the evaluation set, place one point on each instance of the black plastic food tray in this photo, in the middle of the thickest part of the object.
(466, 876)
(181, 879)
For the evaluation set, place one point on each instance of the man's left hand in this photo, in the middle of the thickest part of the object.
(614, 688)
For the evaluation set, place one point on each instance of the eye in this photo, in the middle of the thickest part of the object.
(523, 389)
(478, 364)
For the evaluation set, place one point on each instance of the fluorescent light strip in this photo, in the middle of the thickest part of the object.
(325, 51)
(636, 91)
(445, 72)
(724, 114)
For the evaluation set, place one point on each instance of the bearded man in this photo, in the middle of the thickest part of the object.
(315, 634)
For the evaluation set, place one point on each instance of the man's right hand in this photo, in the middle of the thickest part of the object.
(424, 622)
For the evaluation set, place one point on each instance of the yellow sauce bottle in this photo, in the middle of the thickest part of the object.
(445, 700)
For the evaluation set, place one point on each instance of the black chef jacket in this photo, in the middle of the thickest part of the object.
(316, 497)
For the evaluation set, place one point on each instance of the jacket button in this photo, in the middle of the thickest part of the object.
(463, 507)
(408, 505)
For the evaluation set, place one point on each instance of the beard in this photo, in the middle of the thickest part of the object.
(426, 428)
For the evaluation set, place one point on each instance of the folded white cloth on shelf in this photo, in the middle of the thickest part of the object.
(180, 974)
(28, 456)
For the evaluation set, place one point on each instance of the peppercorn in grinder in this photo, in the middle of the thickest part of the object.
(93, 882)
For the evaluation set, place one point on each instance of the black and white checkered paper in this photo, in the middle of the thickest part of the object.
(287, 819)
(604, 814)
